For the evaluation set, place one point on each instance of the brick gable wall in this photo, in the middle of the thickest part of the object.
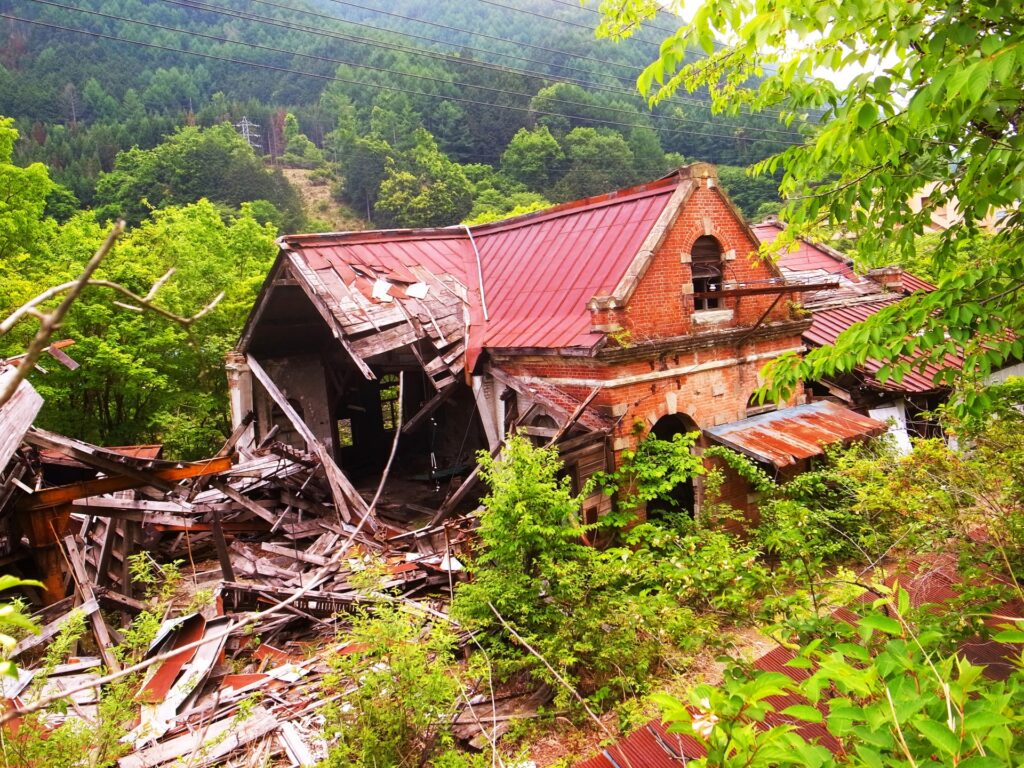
(663, 361)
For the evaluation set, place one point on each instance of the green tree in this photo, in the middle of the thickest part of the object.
(423, 188)
(299, 150)
(143, 379)
(567, 599)
(194, 163)
(23, 197)
(532, 158)
(935, 98)
(599, 160)
(648, 157)
(364, 165)
(748, 192)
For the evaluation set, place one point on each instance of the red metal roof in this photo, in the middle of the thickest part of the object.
(788, 435)
(913, 283)
(539, 270)
(829, 323)
(806, 256)
(650, 746)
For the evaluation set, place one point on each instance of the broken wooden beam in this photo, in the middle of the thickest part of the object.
(104, 642)
(64, 494)
(428, 408)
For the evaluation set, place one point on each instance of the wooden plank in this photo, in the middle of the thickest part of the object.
(99, 627)
(139, 516)
(88, 607)
(16, 415)
(461, 492)
(106, 552)
(220, 543)
(575, 416)
(93, 457)
(305, 557)
(316, 291)
(345, 495)
(244, 501)
(64, 494)
(386, 340)
(428, 408)
(208, 745)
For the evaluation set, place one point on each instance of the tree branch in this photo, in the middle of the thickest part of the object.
(51, 322)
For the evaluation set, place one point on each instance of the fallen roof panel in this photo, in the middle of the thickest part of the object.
(783, 437)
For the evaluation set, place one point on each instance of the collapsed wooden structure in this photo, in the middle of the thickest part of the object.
(588, 326)
(267, 547)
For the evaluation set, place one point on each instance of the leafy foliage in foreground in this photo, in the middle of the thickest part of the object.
(935, 108)
(892, 687)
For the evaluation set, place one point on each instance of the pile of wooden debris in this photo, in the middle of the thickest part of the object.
(272, 542)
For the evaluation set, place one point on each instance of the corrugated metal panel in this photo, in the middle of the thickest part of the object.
(650, 746)
(539, 270)
(785, 436)
(806, 256)
(829, 323)
(913, 283)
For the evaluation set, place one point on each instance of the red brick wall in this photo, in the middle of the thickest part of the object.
(662, 305)
(712, 382)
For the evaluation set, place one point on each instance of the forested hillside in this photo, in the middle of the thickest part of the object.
(87, 79)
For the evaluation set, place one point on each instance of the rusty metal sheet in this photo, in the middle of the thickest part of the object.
(160, 681)
(783, 437)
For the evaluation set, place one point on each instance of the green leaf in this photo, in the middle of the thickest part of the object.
(867, 114)
(882, 623)
(939, 735)
(803, 712)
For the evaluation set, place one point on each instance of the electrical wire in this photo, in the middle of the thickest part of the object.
(195, 4)
(335, 78)
(347, 62)
(628, 92)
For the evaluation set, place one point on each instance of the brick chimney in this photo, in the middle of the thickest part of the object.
(890, 278)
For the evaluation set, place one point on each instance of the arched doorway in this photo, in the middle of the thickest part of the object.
(682, 499)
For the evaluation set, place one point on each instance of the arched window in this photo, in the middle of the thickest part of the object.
(706, 263)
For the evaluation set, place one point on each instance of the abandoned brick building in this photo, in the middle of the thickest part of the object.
(590, 324)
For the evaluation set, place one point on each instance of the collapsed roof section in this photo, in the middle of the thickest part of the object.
(521, 283)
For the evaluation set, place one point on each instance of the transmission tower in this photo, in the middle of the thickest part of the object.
(250, 132)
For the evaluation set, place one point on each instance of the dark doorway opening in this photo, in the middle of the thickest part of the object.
(682, 499)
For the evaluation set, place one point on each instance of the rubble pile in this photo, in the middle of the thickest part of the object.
(268, 547)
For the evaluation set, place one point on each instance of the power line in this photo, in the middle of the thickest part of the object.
(333, 78)
(419, 51)
(587, 27)
(516, 43)
(226, 41)
(198, 4)
(579, 6)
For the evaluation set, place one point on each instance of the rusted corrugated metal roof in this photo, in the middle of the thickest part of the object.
(788, 435)
(539, 270)
(829, 323)
(913, 283)
(650, 746)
